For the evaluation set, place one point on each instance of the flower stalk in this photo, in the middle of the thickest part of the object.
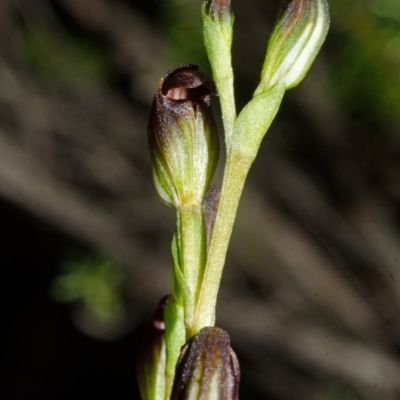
(184, 147)
(218, 19)
(298, 35)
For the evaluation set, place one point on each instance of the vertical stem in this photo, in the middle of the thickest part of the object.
(227, 101)
(236, 171)
(217, 34)
(175, 339)
(192, 243)
(190, 258)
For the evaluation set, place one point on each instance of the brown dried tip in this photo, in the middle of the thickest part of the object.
(294, 10)
(284, 5)
(207, 368)
(218, 7)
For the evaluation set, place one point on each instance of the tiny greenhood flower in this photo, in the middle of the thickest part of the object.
(298, 35)
(207, 369)
(151, 360)
(182, 136)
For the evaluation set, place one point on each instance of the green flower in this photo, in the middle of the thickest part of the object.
(182, 136)
(207, 369)
(298, 35)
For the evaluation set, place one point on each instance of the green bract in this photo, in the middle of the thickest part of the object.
(182, 136)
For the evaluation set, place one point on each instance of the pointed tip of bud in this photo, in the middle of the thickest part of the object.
(218, 7)
(285, 5)
(207, 368)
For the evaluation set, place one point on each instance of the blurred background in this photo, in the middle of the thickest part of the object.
(311, 289)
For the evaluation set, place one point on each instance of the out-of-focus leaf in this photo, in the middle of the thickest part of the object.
(94, 281)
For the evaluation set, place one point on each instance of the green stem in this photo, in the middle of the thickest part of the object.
(192, 248)
(217, 33)
(250, 128)
(189, 251)
(227, 101)
(236, 171)
(175, 339)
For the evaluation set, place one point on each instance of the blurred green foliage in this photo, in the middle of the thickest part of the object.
(385, 8)
(365, 59)
(181, 22)
(62, 59)
(94, 281)
(341, 395)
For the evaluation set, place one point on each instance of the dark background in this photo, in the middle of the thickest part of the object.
(310, 294)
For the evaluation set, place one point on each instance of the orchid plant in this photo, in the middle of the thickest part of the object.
(183, 355)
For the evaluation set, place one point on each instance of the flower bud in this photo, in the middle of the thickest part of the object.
(218, 22)
(182, 136)
(207, 368)
(151, 360)
(298, 35)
